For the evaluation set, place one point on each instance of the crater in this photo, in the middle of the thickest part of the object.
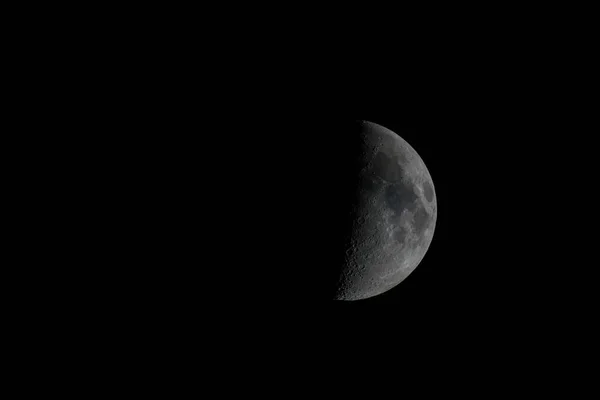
(400, 235)
(420, 220)
(428, 191)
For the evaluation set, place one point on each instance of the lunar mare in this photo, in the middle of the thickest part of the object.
(395, 216)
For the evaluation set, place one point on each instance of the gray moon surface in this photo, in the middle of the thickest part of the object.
(395, 219)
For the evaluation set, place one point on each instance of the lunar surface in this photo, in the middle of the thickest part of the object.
(394, 216)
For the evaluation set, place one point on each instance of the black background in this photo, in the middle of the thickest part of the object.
(253, 232)
(248, 181)
(211, 155)
(229, 166)
(244, 237)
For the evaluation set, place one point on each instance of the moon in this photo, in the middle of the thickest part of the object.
(394, 216)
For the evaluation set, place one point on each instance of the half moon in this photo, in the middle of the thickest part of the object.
(394, 216)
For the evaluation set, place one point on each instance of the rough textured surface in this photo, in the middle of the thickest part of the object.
(394, 220)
